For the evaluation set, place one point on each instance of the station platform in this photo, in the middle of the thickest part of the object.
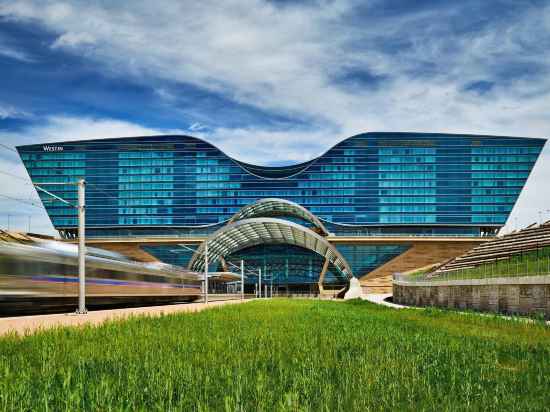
(24, 325)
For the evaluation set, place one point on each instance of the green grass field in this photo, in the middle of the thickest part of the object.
(283, 355)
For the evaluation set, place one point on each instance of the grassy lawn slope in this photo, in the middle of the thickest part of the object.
(283, 355)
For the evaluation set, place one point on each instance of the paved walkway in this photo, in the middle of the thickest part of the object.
(29, 324)
(380, 299)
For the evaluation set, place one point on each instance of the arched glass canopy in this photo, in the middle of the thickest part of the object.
(273, 207)
(256, 231)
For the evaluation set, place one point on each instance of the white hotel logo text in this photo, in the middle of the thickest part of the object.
(52, 148)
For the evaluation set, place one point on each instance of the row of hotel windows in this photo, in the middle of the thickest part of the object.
(418, 183)
(151, 154)
(429, 167)
(371, 192)
(385, 180)
(321, 162)
(400, 200)
(393, 219)
(384, 195)
(140, 182)
(242, 201)
(320, 186)
(167, 174)
(382, 209)
(433, 150)
(171, 178)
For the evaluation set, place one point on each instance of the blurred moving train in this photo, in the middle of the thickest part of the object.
(43, 276)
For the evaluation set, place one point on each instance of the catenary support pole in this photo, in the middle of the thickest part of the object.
(242, 279)
(205, 272)
(81, 248)
(260, 283)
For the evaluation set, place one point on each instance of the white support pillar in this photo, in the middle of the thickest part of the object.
(242, 279)
(205, 272)
(81, 248)
(260, 283)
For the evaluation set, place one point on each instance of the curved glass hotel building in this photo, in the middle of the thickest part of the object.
(377, 195)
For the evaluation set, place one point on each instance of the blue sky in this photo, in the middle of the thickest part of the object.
(270, 82)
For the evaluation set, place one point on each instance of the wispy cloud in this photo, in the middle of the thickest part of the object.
(66, 128)
(74, 40)
(10, 112)
(12, 53)
(197, 127)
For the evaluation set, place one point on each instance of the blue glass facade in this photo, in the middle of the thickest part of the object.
(366, 182)
(287, 266)
(365, 258)
(369, 184)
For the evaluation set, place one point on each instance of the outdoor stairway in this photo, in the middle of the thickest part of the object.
(502, 248)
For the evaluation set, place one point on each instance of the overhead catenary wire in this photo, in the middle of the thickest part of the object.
(247, 271)
(8, 148)
(26, 180)
(22, 201)
(102, 191)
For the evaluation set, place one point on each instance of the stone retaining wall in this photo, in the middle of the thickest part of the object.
(528, 295)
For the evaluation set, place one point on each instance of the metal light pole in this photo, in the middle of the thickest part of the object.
(242, 279)
(81, 248)
(205, 272)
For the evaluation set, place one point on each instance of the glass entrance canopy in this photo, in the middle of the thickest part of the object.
(259, 231)
(272, 207)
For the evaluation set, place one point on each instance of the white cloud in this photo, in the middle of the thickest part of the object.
(64, 128)
(7, 111)
(197, 127)
(260, 146)
(70, 39)
(15, 54)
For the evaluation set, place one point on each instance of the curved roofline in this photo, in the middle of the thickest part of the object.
(306, 164)
(295, 210)
(197, 262)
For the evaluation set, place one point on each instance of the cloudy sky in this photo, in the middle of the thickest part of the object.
(270, 82)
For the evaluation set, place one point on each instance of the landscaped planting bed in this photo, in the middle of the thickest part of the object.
(283, 355)
(533, 263)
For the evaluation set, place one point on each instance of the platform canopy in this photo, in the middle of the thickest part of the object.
(274, 207)
(266, 230)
